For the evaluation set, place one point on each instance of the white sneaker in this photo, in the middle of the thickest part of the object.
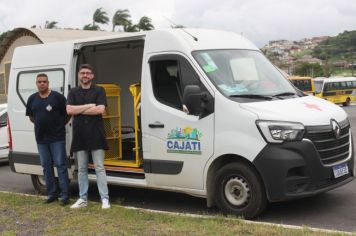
(106, 204)
(80, 203)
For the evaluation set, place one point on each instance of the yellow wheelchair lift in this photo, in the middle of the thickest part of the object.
(113, 127)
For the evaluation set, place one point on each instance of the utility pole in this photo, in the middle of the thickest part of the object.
(353, 64)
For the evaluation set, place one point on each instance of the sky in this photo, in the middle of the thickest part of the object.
(258, 20)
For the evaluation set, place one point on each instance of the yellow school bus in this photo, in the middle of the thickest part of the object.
(304, 84)
(339, 90)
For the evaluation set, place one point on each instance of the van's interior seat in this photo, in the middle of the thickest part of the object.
(166, 88)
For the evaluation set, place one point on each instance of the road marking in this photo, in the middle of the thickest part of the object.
(303, 228)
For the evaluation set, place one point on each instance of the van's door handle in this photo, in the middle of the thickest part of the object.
(156, 125)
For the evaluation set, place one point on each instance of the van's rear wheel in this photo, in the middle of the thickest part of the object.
(347, 102)
(239, 191)
(39, 184)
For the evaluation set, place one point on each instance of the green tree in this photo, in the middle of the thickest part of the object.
(145, 23)
(341, 46)
(100, 17)
(51, 24)
(121, 18)
(91, 27)
(309, 69)
(132, 27)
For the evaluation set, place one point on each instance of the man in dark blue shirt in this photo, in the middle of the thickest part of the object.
(47, 110)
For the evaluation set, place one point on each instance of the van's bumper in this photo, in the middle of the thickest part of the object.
(294, 170)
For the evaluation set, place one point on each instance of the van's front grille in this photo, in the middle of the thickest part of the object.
(331, 149)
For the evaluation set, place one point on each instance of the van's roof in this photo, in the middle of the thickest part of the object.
(194, 39)
(156, 41)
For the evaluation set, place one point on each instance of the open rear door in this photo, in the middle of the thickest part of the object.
(53, 59)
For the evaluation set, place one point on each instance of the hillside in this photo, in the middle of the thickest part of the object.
(340, 47)
(317, 56)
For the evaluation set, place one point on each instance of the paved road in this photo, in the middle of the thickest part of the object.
(332, 210)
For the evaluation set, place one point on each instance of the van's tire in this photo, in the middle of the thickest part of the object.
(239, 191)
(39, 184)
(347, 102)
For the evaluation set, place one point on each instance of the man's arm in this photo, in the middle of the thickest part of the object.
(97, 110)
(78, 109)
(67, 119)
(101, 101)
(32, 119)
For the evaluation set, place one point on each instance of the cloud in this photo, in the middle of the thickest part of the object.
(258, 20)
(261, 21)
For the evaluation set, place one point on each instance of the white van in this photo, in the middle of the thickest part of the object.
(196, 111)
(4, 145)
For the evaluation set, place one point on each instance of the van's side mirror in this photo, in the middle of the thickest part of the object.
(194, 99)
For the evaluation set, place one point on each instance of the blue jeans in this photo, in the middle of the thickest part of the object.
(55, 153)
(98, 159)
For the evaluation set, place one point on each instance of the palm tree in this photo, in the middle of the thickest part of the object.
(91, 27)
(51, 24)
(131, 27)
(121, 17)
(100, 17)
(145, 23)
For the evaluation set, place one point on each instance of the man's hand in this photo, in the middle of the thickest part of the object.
(97, 110)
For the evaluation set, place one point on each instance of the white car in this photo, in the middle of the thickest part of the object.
(4, 145)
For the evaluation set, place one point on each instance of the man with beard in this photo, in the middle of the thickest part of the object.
(87, 104)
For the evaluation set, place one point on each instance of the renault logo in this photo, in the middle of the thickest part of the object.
(336, 129)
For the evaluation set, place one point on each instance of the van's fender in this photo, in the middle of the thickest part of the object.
(236, 138)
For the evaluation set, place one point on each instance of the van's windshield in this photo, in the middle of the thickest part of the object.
(238, 73)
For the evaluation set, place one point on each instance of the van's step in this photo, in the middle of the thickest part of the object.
(119, 171)
(122, 163)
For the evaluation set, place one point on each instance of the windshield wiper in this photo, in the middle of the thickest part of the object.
(284, 94)
(255, 96)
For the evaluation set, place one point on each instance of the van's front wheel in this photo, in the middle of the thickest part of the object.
(39, 184)
(239, 191)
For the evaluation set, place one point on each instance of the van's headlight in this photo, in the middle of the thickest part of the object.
(279, 131)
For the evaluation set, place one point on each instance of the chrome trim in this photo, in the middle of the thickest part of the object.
(346, 159)
(338, 162)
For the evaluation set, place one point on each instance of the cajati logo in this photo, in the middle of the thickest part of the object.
(184, 140)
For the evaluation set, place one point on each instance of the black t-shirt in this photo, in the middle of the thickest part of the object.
(88, 130)
(49, 116)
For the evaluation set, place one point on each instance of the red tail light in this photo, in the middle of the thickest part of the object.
(9, 134)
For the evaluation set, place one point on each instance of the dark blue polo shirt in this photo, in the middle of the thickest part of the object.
(49, 116)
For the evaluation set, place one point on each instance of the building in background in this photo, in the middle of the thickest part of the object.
(23, 36)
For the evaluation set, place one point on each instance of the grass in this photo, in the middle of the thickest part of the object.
(28, 215)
